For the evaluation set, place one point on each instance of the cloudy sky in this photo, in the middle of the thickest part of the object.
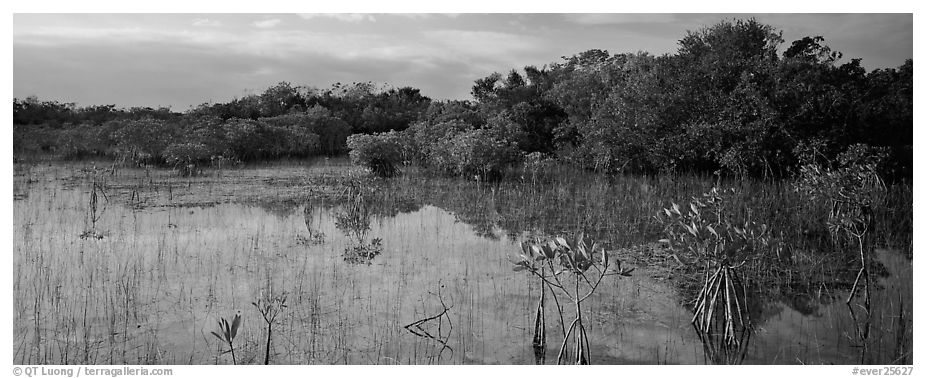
(181, 60)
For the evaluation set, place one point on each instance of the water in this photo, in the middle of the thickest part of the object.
(153, 288)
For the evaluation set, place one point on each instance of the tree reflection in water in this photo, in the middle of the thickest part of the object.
(353, 219)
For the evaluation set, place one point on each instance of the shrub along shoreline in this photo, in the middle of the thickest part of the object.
(730, 101)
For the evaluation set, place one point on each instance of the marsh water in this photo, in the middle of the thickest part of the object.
(151, 282)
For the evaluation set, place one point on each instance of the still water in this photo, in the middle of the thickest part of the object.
(426, 288)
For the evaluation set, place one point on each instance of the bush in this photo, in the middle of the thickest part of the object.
(207, 130)
(380, 153)
(422, 138)
(186, 157)
(78, 141)
(244, 139)
(474, 153)
(290, 141)
(73, 142)
(538, 165)
(330, 134)
(851, 189)
(143, 139)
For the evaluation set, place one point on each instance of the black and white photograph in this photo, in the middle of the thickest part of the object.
(518, 188)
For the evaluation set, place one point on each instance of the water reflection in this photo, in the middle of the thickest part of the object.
(722, 318)
(798, 326)
(353, 219)
(721, 350)
(190, 265)
(861, 322)
(779, 328)
(432, 328)
(312, 217)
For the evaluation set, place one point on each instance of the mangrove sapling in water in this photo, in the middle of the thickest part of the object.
(707, 234)
(850, 192)
(269, 308)
(227, 333)
(96, 210)
(586, 263)
(354, 221)
(901, 355)
(719, 352)
(540, 330)
(315, 236)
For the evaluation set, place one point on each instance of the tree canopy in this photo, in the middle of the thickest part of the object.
(734, 99)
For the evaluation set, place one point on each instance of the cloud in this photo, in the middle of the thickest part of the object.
(262, 42)
(206, 22)
(347, 17)
(266, 24)
(132, 61)
(620, 18)
(484, 45)
(424, 16)
(413, 16)
(61, 35)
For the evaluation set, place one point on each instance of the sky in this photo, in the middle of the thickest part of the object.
(183, 60)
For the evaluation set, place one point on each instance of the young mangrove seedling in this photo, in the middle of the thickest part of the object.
(96, 209)
(580, 266)
(269, 308)
(707, 234)
(851, 192)
(227, 333)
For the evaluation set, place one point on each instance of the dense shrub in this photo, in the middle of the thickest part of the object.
(423, 137)
(186, 157)
(73, 142)
(207, 130)
(474, 153)
(143, 140)
(538, 166)
(289, 141)
(454, 110)
(78, 141)
(243, 138)
(380, 153)
(330, 133)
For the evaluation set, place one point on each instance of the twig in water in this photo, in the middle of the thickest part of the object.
(417, 329)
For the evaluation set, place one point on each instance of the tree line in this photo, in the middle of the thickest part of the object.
(733, 100)
(283, 121)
